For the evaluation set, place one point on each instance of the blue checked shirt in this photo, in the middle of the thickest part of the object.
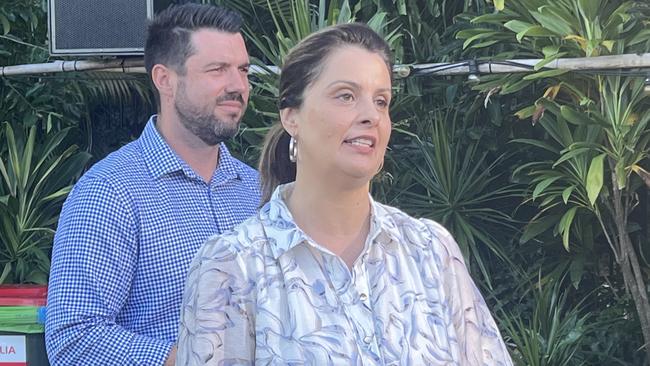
(126, 236)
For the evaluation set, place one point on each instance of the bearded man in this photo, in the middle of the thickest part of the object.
(134, 221)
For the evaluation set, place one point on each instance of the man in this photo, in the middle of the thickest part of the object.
(133, 222)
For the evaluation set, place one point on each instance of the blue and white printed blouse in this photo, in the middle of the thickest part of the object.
(267, 294)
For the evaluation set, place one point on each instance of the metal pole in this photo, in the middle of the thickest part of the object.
(136, 65)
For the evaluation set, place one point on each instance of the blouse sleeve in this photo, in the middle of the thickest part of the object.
(479, 340)
(217, 313)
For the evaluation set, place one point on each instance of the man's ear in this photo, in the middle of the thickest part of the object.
(164, 80)
(288, 117)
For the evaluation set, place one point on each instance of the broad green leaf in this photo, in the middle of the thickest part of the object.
(518, 26)
(534, 31)
(575, 117)
(551, 22)
(595, 178)
(526, 112)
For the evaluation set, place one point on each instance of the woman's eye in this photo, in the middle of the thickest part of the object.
(346, 97)
(383, 103)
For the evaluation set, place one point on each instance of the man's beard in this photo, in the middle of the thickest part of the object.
(203, 123)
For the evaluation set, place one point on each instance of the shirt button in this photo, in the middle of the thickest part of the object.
(367, 339)
(363, 297)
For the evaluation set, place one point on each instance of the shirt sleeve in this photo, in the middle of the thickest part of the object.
(93, 263)
(217, 325)
(479, 340)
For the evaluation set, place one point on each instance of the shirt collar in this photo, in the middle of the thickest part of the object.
(162, 160)
(276, 214)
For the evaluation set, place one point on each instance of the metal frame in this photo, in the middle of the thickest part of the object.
(89, 51)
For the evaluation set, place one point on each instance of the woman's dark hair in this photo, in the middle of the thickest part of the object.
(301, 68)
(169, 33)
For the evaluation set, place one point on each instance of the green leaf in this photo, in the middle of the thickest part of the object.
(5, 272)
(576, 270)
(565, 226)
(534, 31)
(6, 27)
(566, 193)
(550, 50)
(518, 26)
(534, 228)
(545, 74)
(570, 154)
(538, 143)
(551, 22)
(541, 186)
(499, 4)
(548, 60)
(471, 39)
(595, 178)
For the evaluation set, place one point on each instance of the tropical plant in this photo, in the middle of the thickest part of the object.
(36, 172)
(445, 175)
(553, 334)
(596, 140)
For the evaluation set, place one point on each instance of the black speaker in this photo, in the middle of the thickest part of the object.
(98, 27)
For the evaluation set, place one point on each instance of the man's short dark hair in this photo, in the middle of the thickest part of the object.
(168, 34)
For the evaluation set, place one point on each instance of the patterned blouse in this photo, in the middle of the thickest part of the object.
(267, 294)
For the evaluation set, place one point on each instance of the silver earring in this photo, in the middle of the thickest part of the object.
(293, 149)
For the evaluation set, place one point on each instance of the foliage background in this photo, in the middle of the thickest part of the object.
(556, 290)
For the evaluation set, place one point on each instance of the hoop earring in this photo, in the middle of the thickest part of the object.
(293, 150)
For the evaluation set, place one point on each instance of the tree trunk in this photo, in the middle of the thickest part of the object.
(629, 263)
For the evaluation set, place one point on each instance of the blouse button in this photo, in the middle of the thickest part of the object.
(367, 339)
(363, 297)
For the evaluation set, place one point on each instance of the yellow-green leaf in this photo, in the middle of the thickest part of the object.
(595, 178)
(499, 4)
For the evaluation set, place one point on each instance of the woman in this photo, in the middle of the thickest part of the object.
(324, 275)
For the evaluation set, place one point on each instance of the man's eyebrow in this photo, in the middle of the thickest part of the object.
(221, 64)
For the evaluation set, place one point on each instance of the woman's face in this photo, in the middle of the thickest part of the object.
(343, 125)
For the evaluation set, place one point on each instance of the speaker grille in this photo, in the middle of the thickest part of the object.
(98, 26)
